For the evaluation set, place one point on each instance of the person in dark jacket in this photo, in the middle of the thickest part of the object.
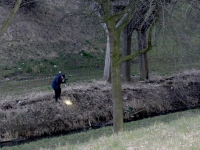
(58, 80)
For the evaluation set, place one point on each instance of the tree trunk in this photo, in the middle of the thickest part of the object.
(126, 66)
(107, 66)
(116, 81)
(143, 61)
(117, 98)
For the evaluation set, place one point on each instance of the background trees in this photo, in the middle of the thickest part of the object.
(145, 14)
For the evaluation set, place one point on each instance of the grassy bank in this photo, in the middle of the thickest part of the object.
(16, 88)
(178, 131)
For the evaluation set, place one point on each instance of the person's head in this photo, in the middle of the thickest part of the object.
(63, 77)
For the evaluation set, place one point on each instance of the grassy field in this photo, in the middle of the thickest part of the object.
(175, 131)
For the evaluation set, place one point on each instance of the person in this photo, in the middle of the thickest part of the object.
(58, 80)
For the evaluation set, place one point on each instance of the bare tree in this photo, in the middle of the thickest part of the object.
(116, 20)
(144, 15)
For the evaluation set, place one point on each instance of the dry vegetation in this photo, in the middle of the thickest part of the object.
(47, 29)
(40, 115)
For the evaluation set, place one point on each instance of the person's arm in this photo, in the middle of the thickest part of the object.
(58, 80)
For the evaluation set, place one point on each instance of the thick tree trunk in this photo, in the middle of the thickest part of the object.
(116, 81)
(117, 98)
(126, 66)
(143, 60)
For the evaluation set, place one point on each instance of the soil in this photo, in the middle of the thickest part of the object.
(91, 106)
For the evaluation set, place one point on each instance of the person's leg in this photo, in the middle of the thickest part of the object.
(59, 92)
(56, 94)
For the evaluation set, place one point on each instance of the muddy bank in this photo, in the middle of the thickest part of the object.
(92, 105)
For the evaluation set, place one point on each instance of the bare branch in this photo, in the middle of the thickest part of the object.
(12, 14)
(148, 48)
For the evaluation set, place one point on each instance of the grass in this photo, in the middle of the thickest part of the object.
(17, 89)
(178, 131)
(84, 67)
(51, 66)
(33, 75)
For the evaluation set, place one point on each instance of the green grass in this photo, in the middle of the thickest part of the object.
(40, 84)
(36, 75)
(48, 67)
(178, 131)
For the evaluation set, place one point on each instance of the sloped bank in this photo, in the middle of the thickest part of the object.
(23, 119)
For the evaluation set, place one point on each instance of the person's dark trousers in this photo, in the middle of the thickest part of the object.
(57, 93)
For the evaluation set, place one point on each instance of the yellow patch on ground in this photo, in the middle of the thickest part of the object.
(67, 102)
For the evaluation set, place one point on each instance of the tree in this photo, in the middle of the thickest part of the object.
(147, 17)
(126, 45)
(107, 66)
(116, 20)
(144, 15)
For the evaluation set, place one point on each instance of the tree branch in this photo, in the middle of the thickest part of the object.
(12, 14)
(148, 48)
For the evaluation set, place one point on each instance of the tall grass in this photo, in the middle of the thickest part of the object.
(176, 131)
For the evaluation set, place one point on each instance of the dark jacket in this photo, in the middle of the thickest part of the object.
(57, 81)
